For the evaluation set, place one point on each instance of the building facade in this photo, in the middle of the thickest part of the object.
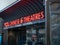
(55, 23)
(24, 23)
(27, 23)
(53, 7)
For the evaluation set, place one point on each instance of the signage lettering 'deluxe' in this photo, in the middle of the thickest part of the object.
(36, 16)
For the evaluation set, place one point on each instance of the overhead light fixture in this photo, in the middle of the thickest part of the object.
(5, 4)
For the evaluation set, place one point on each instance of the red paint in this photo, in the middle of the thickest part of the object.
(36, 16)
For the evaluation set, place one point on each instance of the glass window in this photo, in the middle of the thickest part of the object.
(36, 34)
(55, 24)
(0, 39)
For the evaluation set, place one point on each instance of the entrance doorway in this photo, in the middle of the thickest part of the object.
(17, 36)
(27, 35)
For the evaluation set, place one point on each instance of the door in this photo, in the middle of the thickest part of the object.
(21, 35)
(17, 36)
(11, 38)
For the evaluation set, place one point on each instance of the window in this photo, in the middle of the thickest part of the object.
(55, 24)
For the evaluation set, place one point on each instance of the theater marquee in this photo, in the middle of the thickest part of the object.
(30, 18)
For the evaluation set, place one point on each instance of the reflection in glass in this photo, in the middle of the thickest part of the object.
(35, 34)
(0, 39)
(55, 24)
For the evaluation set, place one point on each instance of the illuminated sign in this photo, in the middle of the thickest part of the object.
(36, 16)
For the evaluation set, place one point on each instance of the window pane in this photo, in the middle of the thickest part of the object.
(55, 24)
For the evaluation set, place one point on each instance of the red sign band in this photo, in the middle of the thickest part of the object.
(36, 16)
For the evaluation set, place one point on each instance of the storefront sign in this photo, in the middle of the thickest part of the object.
(36, 16)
